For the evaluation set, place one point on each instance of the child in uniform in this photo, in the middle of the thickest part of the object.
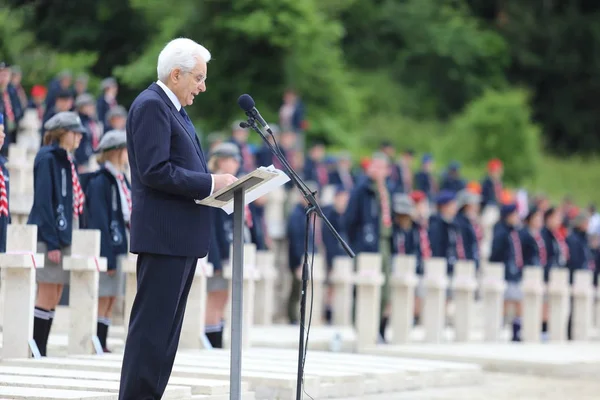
(225, 158)
(58, 202)
(4, 192)
(444, 234)
(507, 249)
(468, 204)
(108, 201)
(421, 214)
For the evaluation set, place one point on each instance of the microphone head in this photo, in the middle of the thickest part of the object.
(246, 102)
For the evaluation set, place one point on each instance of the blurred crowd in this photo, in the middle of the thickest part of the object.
(382, 204)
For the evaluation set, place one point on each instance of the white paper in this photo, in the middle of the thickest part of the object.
(272, 176)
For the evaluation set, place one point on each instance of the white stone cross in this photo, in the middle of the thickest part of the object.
(315, 288)
(492, 289)
(403, 283)
(264, 301)
(532, 285)
(85, 265)
(18, 266)
(20, 169)
(435, 283)
(342, 279)
(464, 284)
(192, 329)
(558, 302)
(583, 297)
(368, 298)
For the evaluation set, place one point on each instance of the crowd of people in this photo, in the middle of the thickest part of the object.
(380, 205)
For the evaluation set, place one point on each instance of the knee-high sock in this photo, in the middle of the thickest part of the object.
(41, 328)
(214, 334)
(102, 331)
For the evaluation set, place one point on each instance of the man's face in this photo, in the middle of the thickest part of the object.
(341, 201)
(118, 122)
(389, 151)
(241, 135)
(88, 109)
(187, 85)
(80, 86)
(16, 79)
(449, 210)
(4, 77)
(65, 82)
(318, 153)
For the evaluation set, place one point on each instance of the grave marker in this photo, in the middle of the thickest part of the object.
(342, 278)
(558, 299)
(264, 302)
(464, 285)
(403, 283)
(533, 291)
(492, 288)
(368, 298)
(435, 283)
(582, 304)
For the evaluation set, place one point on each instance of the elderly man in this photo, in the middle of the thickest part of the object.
(169, 231)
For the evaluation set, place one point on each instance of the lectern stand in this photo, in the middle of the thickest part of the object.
(234, 199)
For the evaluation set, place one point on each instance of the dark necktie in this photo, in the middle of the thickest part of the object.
(187, 120)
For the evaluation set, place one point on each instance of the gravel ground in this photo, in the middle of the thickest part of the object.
(497, 386)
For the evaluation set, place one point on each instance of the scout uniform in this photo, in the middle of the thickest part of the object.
(108, 209)
(469, 229)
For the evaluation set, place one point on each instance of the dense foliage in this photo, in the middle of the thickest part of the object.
(500, 78)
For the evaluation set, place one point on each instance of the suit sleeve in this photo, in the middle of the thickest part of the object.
(98, 197)
(151, 140)
(43, 194)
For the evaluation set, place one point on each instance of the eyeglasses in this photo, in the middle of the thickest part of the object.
(199, 79)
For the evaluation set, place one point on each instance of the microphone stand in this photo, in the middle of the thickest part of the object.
(312, 208)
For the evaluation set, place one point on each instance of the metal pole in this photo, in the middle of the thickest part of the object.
(237, 279)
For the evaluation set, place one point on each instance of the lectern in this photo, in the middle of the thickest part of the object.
(234, 198)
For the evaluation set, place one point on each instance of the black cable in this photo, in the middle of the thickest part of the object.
(312, 295)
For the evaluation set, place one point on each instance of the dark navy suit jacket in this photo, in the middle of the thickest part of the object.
(168, 171)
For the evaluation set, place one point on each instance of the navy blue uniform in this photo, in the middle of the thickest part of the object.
(506, 249)
(332, 247)
(4, 219)
(295, 234)
(469, 237)
(531, 248)
(488, 192)
(555, 256)
(52, 209)
(580, 254)
(104, 212)
(316, 172)
(408, 242)
(258, 230)
(445, 239)
(346, 181)
(363, 218)
(86, 148)
(596, 253)
(424, 182)
(453, 184)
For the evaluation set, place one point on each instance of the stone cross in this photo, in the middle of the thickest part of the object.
(20, 169)
(464, 284)
(342, 279)
(403, 283)
(192, 329)
(558, 302)
(264, 301)
(583, 297)
(85, 265)
(251, 275)
(532, 286)
(492, 288)
(18, 266)
(368, 298)
(315, 287)
(129, 268)
(435, 283)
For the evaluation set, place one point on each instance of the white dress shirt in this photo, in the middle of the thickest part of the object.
(177, 105)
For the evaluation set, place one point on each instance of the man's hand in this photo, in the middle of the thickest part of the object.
(222, 180)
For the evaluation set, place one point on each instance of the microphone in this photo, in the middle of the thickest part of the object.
(246, 103)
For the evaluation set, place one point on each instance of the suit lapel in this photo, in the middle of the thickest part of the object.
(184, 125)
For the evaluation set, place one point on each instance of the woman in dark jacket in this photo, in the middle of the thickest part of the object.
(58, 202)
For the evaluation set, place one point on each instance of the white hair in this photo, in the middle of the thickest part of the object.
(180, 53)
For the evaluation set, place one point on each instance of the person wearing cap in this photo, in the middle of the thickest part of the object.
(296, 231)
(405, 240)
(116, 118)
(38, 97)
(223, 159)
(424, 180)
(452, 180)
(4, 195)
(85, 104)
(63, 101)
(444, 233)
(58, 203)
(581, 256)
(342, 173)
(108, 209)
(107, 100)
(466, 219)
(239, 137)
(10, 107)
(507, 249)
(315, 168)
(335, 214)
(81, 84)
(16, 82)
(62, 82)
(491, 187)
